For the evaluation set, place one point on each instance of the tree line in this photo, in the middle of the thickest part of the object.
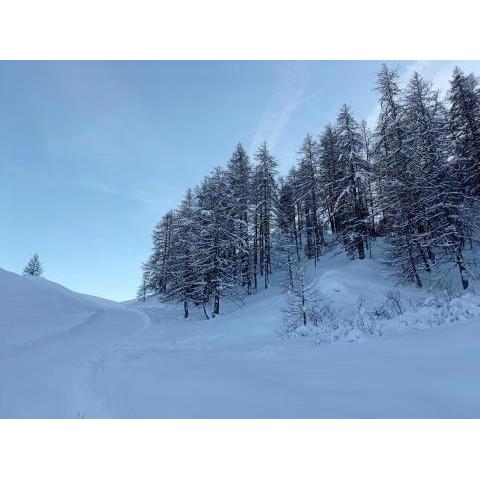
(414, 180)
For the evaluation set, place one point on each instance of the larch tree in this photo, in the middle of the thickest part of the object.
(184, 277)
(330, 175)
(156, 266)
(352, 201)
(239, 177)
(441, 216)
(464, 117)
(214, 260)
(34, 267)
(143, 287)
(265, 191)
(308, 187)
(395, 175)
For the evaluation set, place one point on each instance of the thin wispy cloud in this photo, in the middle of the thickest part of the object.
(285, 99)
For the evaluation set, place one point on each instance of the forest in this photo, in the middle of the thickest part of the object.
(413, 179)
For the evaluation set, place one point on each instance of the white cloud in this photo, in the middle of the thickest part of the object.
(282, 105)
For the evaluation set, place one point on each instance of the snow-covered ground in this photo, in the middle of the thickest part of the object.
(49, 337)
(64, 354)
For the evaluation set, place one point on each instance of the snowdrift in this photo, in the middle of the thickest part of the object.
(33, 308)
(48, 337)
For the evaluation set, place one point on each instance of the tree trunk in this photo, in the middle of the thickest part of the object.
(414, 270)
(255, 253)
(462, 270)
(303, 310)
(425, 261)
(205, 310)
(431, 255)
(360, 248)
(290, 273)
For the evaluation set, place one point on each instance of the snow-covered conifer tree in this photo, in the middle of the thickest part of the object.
(464, 116)
(33, 267)
(367, 140)
(308, 191)
(441, 216)
(239, 172)
(305, 305)
(214, 261)
(351, 204)
(143, 288)
(156, 266)
(395, 175)
(181, 265)
(287, 212)
(330, 175)
(265, 194)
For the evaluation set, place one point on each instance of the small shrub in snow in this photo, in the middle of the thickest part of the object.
(326, 325)
(306, 307)
(381, 313)
(440, 309)
(433, 311)
(394, 302)
(392, 307)
(365, 321)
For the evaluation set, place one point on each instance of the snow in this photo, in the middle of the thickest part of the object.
(48, 337)
(63, 354)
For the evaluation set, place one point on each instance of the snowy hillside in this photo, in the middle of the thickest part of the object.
(63, 354)
(423, 365)
(48, 337)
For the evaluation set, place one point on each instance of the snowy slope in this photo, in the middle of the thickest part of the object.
(68, 355)
(48, 337)
(238, 366)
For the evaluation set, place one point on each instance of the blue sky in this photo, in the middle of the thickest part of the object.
(93, 153)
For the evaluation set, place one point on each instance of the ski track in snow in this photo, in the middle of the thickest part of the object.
(46, 377)
(90, 402)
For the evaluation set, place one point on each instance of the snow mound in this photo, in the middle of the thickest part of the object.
(50, 337)
(32, 307)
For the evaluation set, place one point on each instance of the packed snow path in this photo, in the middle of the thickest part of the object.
(45, 377)
(68, 355)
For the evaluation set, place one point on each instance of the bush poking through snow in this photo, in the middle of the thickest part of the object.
(441, 309)
(365, 321)
(392, 307)
(394, 302)
(326, 325)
